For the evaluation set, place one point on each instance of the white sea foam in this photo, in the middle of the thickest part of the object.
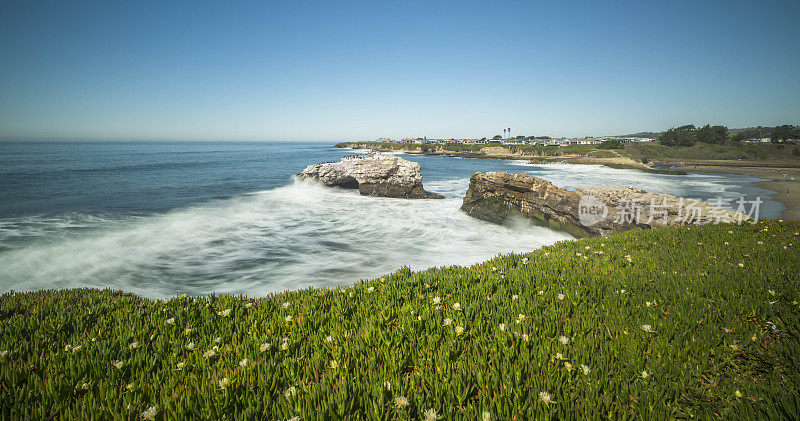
(287, 238)
(571, 176)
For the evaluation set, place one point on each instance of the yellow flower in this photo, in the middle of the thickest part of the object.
(225, 313)
(334, 364)
(568, 366)
(545, 398)
(456, 306)
(430, 415)
(585, 369)
(118, 364)
(171, 321)
(400, 402)
(738, 393)
(644, 374)
(459, 330)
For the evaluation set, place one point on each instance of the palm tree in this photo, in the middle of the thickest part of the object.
(509, 132)
(504, 133)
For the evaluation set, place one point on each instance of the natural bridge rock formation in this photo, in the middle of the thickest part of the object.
(588, 211)
(374, 174)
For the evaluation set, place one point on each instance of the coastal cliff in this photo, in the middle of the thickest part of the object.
(587, 211)
(534, 154)
(374, 174)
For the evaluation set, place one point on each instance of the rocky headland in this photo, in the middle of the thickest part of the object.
(373, 174)
(587, 211)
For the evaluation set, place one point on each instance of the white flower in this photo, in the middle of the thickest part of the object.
(515, 297)
(224, 382)
(502, 327)
(181, 365)
(541, 292)
(525, 337)
(133, 345)
(118, 364)
(437, 300)
(520, 318)
(217, 340)
(559, 356)
(3, 353)
(447, 322)
(243, 363)
(561, 297)
(456, 306)
(288, 318)
(329, 339)
(265, 346)
(585, 369)
(486, 416)
(647, 328)
(430, 415)
(545, 398)
(187, 331)
(171, 321)
(150, 413)
(285, 305)
(248, 305)
(285, 346)
(524, 260)
(225, 313)
(190, 346)
(459, 330)
(291, 391)
(400, 402)
(648, 303)
(370, 289)
(644, 374)
(387, 385)
(210, 353)
(563, 339)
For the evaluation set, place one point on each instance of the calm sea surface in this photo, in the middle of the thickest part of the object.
(165, 218)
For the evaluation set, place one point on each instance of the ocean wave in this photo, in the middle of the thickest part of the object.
(290, 237)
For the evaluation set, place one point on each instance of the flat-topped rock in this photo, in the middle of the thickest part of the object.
(373, 174)
(587, 211)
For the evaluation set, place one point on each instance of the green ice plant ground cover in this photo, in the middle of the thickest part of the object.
(668, 323)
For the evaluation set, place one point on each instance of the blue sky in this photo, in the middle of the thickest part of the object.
(213, 70)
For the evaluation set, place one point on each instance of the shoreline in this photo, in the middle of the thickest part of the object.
(771, 178)
(787, 192)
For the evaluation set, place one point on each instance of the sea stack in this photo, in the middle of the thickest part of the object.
(587, 211)
(373, 174)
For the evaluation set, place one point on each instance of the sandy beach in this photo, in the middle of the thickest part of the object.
(785, 182)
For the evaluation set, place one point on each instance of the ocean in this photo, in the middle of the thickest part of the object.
(165, 218)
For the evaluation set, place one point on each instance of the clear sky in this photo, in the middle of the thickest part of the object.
(296, 70)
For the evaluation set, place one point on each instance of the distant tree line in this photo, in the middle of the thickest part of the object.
(688, 135)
